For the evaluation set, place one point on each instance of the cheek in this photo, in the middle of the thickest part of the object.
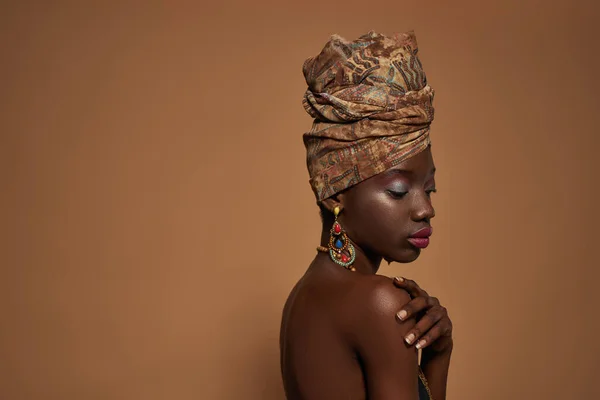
(378, 220)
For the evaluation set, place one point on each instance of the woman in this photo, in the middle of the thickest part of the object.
(372, 172)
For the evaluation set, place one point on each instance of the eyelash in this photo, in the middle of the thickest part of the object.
(399, 195)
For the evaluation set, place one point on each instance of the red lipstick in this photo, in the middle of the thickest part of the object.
(420, 238)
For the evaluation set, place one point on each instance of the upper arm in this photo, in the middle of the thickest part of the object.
(390, 365)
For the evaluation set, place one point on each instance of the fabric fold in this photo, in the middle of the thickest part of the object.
(372, 109)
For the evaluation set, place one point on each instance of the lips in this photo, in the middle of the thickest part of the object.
(422, 233)
(420, 243)
(420, 239)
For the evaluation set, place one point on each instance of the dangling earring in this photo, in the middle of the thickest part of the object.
(339, 244)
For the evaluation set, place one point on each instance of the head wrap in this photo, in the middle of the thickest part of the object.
(371, 106)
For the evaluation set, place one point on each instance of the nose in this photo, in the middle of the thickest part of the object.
(423, 209)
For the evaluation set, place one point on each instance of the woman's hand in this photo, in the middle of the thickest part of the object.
(433, 331)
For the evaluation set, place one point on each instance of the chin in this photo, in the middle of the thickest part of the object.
(405, 256)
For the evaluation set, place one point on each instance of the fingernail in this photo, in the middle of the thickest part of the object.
(399, 279)
(420, 344)
(409, 339)
(402, 314)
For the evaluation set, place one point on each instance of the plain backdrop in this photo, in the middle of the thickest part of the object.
(155, 206)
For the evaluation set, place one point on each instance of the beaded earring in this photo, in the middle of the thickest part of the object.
(340, 249)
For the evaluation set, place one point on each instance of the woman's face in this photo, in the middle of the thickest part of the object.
(381, 213)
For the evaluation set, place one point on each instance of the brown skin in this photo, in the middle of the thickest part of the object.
(341, 332)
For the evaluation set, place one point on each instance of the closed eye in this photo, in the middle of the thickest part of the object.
(396, 195)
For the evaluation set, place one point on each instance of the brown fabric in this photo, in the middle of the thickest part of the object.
(371, 106)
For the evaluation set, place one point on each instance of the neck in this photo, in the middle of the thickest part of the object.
(366, 262)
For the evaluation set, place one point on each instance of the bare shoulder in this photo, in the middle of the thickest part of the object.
(380, 297)
(377, 334)
(372, 305)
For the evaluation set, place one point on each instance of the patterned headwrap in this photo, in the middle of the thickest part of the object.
(371, 106)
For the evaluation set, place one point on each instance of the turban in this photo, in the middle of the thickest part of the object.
(372, 109)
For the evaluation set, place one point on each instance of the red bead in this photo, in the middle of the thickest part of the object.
(337, 228)
(344, 258)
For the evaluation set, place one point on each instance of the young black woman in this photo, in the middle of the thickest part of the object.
(372, 171)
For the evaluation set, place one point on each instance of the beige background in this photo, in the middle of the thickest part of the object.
(156, 211)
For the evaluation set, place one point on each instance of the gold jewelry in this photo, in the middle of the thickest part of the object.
(341, 251)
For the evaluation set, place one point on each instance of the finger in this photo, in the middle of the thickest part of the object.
(410, 286)
(416, 306)
(424, 326)
(434, 333)
(413, 307)
(434, 301)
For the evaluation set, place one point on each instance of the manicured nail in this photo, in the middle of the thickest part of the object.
(399, 279)
(402, 314)
(420, 344)
(409, 339)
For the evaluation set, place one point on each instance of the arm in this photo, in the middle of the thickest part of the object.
(432, 333)
(390, 367)
(435, 369)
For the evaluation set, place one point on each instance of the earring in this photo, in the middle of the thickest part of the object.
(340, 249)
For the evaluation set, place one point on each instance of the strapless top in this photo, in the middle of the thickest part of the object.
(424, 393)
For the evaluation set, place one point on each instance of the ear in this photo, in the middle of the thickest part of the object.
(334, 201)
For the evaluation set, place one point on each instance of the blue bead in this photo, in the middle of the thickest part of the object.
(339, 244)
